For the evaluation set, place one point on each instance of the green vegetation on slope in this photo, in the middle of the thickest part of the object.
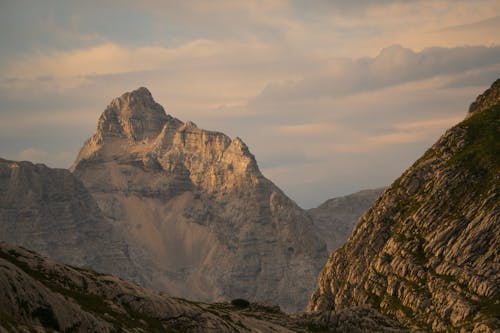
(481, 154)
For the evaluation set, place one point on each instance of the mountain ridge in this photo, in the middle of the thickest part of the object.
(38, 294)
(334, 219)
(196, 204)
(51, 212)
(426, 253)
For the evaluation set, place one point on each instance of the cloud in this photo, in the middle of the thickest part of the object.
(394, 65)
(37, 155)
(318, 93)
(32, 154)
(112, 58)
(306, 129)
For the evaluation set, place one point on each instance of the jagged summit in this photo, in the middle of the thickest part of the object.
(135, 124)
(134, 115)
(203, 220)
(487, 99)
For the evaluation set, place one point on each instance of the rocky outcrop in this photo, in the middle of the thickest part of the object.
(40, 295)
(196, 205)
(487, 99)
(427, 252)
(50, 211)
(334, 219)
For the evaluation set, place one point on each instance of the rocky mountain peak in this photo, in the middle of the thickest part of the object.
(487, 99)
(135, 127)
(204, 220)
(134, 115)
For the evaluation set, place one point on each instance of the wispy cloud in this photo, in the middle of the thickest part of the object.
(37, 155)
(331, 96)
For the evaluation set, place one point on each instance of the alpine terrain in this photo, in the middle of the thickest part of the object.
(335, 218)
(207, 223)
(40, 295)
(51, 212)
(175, 208)
(428, 251)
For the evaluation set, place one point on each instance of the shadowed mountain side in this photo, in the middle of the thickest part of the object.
(50, 211)
(334, 219)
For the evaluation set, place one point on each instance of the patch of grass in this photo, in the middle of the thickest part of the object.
(415, 286)
(46, 317)
(240, 303)
(429, 153)
(490, 306)
(395, 304)
(420, 256)
(386, 257)
(89, 302)
(399, 237)
(7, 322)
(374, 299)
(317, 328)
(481, 154)
(447, 278)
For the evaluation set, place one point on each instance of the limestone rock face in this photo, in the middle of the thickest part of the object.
(486, 100)
(135, 116)
(40, 295)
(427, 252)
(335, 218)
(50, 211)
(194, 203)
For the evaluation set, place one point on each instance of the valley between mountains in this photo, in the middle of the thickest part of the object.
(184, 221)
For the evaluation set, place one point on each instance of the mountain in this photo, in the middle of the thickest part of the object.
(209, 226)
(50, 211)
(427, 252)
(40, 295)
(334, 219)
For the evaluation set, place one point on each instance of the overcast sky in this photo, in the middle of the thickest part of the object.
(330, 96)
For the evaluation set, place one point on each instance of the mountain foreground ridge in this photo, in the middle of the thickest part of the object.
(41, 295)
(427, 252)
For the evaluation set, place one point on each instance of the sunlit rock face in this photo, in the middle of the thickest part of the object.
(199, 216)
(427, 252)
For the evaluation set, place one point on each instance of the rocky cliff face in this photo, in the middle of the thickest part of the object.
(40, 295)
(427, 252)
(196, 205)
(487, 99)
(50, 211)
(334, 219)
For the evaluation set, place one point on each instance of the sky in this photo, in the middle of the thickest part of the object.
(330, 96)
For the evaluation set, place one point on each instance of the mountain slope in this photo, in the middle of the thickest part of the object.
(334, 219)
(50, 211)
(196, 205)
(427, 252)
(37, 294)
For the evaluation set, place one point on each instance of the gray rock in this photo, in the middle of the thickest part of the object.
(40, 295)
(335, 218)
(194, 204)
(487, 99)
(50, 211)
(427, 253)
